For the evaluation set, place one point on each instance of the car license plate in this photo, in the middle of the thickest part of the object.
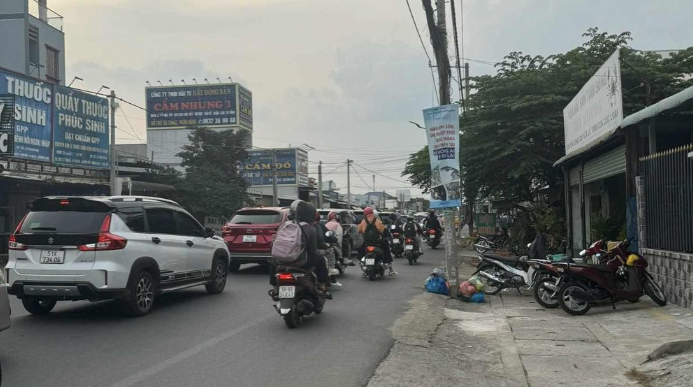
(52, 256)
(249, 238)
(370, 261)
(287, 291)
(395, 241)
(409, 247)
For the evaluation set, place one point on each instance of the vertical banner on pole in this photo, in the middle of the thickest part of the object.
(442, 129)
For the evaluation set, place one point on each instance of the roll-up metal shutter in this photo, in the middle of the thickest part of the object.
(608, 164)
(575, 176)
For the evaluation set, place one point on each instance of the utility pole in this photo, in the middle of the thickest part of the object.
(275, 188)
(113, 176)
(349, 184)
(466, 84)
(320, 184)
(457, 53)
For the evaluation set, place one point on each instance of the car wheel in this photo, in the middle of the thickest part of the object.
(142, 292)
(35, 305)
(217, 280)
(234, 266)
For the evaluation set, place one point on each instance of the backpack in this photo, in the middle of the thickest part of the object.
(371, 235)
(410, 230)
(289, 244)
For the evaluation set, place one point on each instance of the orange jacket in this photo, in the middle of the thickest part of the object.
(378, 224)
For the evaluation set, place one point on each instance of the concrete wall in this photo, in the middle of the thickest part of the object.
(672, 270)
(49, 36)
(13, 42)
(13, 6)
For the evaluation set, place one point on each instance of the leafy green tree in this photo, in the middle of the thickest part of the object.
(212, 184)
(418, 170)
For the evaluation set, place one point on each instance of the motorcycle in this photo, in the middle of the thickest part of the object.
(624, 277)
(433, 239)
(483, 243)
(372, 264)
(396, 242)
(547, 275)
(410, 251)
(333, 253)
(296, 295)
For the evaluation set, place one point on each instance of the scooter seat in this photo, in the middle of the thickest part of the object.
(605, 268)
(511, 259)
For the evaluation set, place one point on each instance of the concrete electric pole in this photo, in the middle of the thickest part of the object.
(349, 183)
(275, 188)
(320, 184)
(113, 175)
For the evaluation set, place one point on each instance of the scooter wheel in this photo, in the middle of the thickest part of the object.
(543, 296)
(569, 304)
(293, 318)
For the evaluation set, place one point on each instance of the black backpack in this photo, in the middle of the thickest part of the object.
(371, 235)
(410, 230)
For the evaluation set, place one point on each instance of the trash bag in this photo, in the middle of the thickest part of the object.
(466, 289)
(439, 271)
(436, 284)
(478, 284)
(478, 298)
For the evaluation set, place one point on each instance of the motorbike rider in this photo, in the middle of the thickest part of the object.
(413, 231)
(432, 223)
(336, 227)
(373, 230)
(325, 248)
(302, 212)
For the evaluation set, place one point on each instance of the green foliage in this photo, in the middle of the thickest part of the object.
(212, 185)
(540, 217)
(605, 228)
(418, 169)
(513, 132)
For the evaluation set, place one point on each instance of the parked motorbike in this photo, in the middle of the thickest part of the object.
(484, 243)
(396, 243)
(548, 273)
(433, 239)
(297, 295)
(411, 252)
(624, 277)
(372, 264)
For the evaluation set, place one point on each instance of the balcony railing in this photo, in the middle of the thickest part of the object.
(45, 14)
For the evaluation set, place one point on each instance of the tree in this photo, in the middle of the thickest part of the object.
(418, 170)
(212, 184)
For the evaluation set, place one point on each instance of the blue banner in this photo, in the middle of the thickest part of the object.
(81, 130)
(442, 130)
(257, 170)
(180, 107)
(32, 114)
(245, 107)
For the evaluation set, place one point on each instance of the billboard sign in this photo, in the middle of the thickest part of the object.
(404, 195)
(32, 115)
(180, 107)
(80, 129)
(442, 129)
(6, 125)
(245, 107)
(258, 171)
(597, 110)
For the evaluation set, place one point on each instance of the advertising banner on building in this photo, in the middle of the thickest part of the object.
(32, 114)
(179, 107)
(6, 125)
(80, 127)
(442, 129)
(597, 110)
(245, 107)
(257, 170)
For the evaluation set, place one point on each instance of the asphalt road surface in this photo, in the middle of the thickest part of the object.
(194, 339)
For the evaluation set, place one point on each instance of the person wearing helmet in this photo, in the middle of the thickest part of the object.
(373, 229)
(324, 248)
(334, 226)
(432, 223)
(412, 230)
(304, 214)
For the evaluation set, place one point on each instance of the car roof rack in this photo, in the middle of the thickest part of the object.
(125, 199)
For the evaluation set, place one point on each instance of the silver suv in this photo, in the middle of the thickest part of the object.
(126, 248)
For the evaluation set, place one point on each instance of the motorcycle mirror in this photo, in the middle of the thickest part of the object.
(529, 245)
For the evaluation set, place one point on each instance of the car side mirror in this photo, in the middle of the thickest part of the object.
(209, 232)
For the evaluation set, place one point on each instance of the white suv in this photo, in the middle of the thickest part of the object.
(128, 248)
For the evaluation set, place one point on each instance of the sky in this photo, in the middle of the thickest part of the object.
(344, 76)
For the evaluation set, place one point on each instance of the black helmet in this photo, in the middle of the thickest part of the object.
(432, 213)
(302, 211)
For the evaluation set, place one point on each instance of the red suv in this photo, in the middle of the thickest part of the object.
(250, 232)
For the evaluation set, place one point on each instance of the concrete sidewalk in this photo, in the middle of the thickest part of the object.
(512, 341)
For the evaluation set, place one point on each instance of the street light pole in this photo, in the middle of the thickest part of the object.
(320, 184)
(113, 177)
(275, 188)
(349, 184)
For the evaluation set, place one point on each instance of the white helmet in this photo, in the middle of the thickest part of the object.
(376, 214)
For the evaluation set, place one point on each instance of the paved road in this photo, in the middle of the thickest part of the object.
(232, 339)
